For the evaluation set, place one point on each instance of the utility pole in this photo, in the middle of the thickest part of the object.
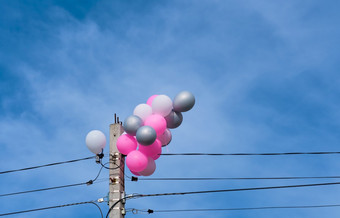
(117, 163)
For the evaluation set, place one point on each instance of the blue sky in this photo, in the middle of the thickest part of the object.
(265, 75)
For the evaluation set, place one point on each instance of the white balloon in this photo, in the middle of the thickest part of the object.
(143, 111)
(162, 105)
(95, 141)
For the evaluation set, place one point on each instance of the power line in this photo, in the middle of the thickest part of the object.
(50, 188)
(53, 207)
(103, 165)
(135, 179)
(149, 211)
(90, 182)
(178, 154)
(234, 190)
(219, 191)
(47, 165)
(42, 189)
(250, 154)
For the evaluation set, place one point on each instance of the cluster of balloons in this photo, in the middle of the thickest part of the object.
(147, 130)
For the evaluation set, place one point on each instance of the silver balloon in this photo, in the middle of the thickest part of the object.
(174, 119)
(146, 135)
(183, 101)
(131, 124)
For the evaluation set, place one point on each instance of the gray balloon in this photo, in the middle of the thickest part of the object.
(146, 135)
(174, 119)
(183, 101)
(132, 124)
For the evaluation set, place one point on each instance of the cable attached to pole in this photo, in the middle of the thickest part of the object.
(237, 189)
(219, 191)
(47, 165)
(179, 154)
(150, 211)
(53, 207)
(90, 182)
(250, 154)
(135, 179)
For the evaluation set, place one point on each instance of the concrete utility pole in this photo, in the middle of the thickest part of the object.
(117, 163)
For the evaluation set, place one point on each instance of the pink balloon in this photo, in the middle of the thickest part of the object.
(150, 169)
(165, 138)
(151, 150)
(136, 161)
(149, 101)
(126, 143)
(157, 122)
(155, 157)
(135, 173)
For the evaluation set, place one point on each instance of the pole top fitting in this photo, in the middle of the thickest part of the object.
(117, 120)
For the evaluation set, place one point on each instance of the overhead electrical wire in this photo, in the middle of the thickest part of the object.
(135, 179)
(103, 165)
(150, 211)
(134, 196)
(179, 154)
(47, 165)
(98, 174)
(250, 154)
(90, 182)
(236, 189)
(53, 207)
(51, 188)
